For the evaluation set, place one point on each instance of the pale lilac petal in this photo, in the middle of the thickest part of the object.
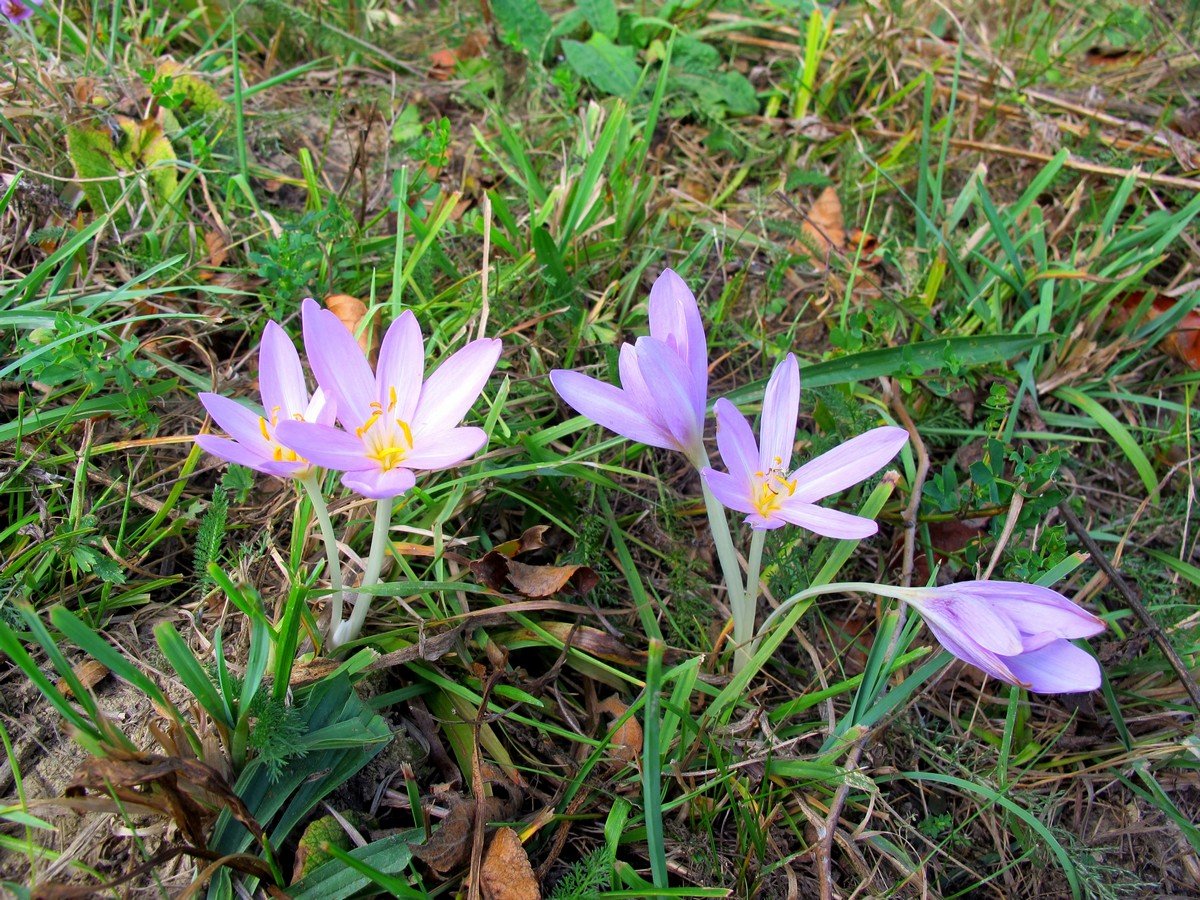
(339, 364)
(849, 463)
(401, 366)
(445, 449)
(232, 451)
(969, 652)
(1058, 668)
(675, 320)
(321, 408)
(730, 491)
(735, 441)
(380, 485)
(1034, 609)
(826, 522)
(324, 445)
(607, 406)
(455, 386)
(237, 421)
(764, 523)
(280, 375)
(781, 407)
(672, 392)
(977, 620)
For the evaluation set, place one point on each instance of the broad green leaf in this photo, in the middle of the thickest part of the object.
(602, 16)
(524, 23)
(609, 68)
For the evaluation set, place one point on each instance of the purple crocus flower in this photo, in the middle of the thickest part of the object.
(394, 423)
(18, 10)
(664, 378)
(1018, 633)
(757, 482)
(254, 439)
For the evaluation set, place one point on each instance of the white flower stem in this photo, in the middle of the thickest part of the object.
(312, 487)
(908, 595)
(718, 524)
(362, 605)
(743, 619)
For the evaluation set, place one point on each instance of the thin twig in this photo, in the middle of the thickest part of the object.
(1134, 603)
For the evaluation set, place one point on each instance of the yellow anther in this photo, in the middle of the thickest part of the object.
(391, 397)
(262, 427)
(274, 416)
(366, 426)
(407, 431)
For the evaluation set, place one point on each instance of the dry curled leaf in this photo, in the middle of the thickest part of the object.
(450, 846)
(163, 785)
(824, 226)
(507, 874)
(500, 573)
(350, 312)
(625, 744)
(1182, 341)
(825, 233)
(89, 672)
(531, 539)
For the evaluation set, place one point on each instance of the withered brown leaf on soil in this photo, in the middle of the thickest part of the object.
(599, 644)
(350, 312)
(443, 61)
(945, 539)
(450, 846)
(825, 233)
(531, 539)
(507, 874)
(825, 225)
(90, 673)
(625, 746)
(164, 785)
(500, 573)
(1182, 342)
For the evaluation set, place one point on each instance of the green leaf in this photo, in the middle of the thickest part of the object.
(908, 360)
(607, 67)
(1117, 431)
(602, 16)
(523, 23)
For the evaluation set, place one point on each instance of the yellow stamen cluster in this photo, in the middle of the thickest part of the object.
(389, 443)
(770, 490)
(279, 452)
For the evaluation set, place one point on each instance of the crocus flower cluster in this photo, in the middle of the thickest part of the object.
(394, 420)
(18, 10)
(1018, 633)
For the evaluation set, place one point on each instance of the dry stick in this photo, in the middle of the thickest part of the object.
(1134, 603)
(829, 833)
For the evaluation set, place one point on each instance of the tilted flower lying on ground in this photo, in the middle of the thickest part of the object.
(757, 482)
(255, 440)
(1015, 632)
(18, 10)
(664, 378)
(394, 423)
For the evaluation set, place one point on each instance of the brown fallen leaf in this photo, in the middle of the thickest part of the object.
(507, 874)
(625, 744)
(500, 573)
(443, 61)
(597, 643)
(350, 312)
(531, 539)
(450, 846)
(89, 672)
(1182, 342)
(162, 785)
(825, 226)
